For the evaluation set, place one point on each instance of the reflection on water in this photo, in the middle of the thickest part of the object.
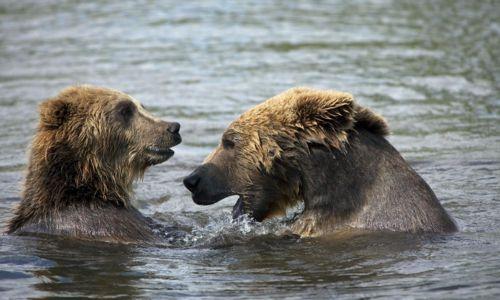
(430, 67)
(86, 269)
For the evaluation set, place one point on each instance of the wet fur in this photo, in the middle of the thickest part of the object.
(82, 164)
(106, 223)
(322, 148)
(385, 193)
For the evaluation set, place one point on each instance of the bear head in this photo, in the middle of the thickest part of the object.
(261, 153)
(96, 139)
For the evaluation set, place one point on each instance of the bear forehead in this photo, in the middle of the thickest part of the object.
(86, 91)
(87, 94)
(285, 108)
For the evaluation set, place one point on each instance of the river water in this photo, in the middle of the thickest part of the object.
(430, 67)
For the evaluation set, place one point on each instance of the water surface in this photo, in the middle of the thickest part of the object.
(430, 67)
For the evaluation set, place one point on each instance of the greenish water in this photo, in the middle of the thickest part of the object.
(430, 67)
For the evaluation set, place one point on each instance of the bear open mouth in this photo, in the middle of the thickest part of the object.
(238, 209)
(159, 154)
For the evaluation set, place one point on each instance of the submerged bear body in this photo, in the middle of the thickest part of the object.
(109, 224)
(323, 149)
(91, 144)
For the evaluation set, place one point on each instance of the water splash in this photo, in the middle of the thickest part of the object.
(221, 230)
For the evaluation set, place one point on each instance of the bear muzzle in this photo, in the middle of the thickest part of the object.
(207, 185)
(167, 136)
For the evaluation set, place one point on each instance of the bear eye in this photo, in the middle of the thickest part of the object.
(126, 110)
(227, 143)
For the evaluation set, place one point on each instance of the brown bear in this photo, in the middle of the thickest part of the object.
(90, 145)
(321, 148)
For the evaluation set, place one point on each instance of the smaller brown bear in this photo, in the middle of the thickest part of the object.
(90, 145)
(323, 149)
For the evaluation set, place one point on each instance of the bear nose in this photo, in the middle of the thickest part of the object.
(191, 182)
(173, 127)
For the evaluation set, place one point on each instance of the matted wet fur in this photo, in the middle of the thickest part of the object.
(321, 148)
(90, 145)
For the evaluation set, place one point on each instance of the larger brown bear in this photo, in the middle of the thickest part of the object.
(322, 149)
(90, 145)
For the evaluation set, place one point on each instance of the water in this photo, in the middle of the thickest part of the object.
(431, 67)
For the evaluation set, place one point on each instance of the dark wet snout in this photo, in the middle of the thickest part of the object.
(173, 127)
(172, 132)
(191, 181)
(208, 184)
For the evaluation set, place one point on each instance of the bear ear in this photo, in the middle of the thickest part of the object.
(329, 110)
(54, 112)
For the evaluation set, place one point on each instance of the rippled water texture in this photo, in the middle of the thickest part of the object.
(431, 67)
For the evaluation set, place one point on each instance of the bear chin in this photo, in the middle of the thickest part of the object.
(157, 155)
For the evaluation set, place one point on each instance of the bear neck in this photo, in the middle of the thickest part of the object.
(367, 186)
(54, 180)
(334, 183)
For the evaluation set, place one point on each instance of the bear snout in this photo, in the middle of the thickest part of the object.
(173, 127)
(191, 181)
(171, 131)
(207, 184)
